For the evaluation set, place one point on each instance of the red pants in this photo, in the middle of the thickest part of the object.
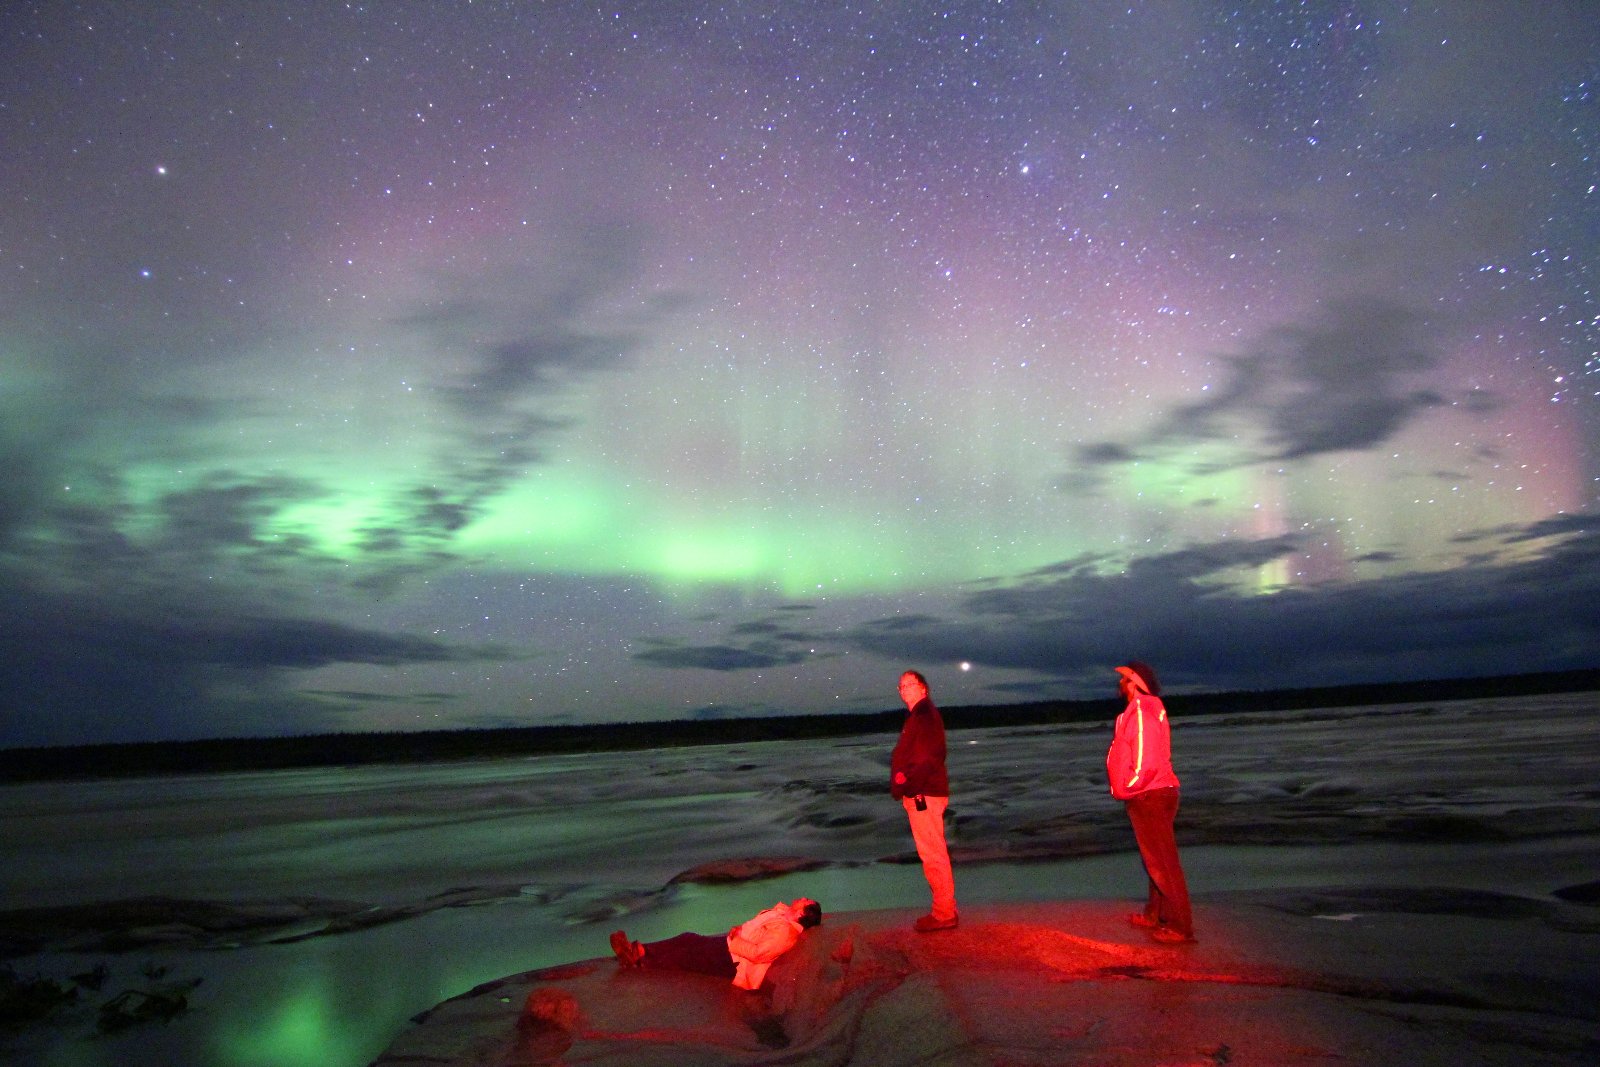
(1152, 814)
(927, 830)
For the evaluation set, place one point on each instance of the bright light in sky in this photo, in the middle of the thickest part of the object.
(470, 367)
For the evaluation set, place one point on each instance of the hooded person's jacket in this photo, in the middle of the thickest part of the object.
(1140, 758)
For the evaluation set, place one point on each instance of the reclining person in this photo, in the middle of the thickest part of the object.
(743, 956)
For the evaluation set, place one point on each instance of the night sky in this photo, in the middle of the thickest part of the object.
(412, 365)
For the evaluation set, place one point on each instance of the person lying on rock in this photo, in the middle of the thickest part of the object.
(744, 955)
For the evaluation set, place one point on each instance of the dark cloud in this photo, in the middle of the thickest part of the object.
(68, 426)
(528, 332)
(526, 364)
(426, 515)
(360, 698)
(229, 513)
(719, 657)
(755, 644)
(1578, 523)
(770, 631)
(531, 329)
(1105, 453)
(1333, 386)
(1344, 382)
(196, 627)
(136, 662)
(1507, 613)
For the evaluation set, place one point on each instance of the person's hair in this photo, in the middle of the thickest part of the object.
(810, 915)
(918, 676)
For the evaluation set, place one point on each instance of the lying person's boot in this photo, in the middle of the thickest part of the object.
(927, 924)
(628, 953)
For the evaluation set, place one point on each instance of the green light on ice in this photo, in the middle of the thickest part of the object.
(301, 1030)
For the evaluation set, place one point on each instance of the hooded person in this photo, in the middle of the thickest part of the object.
(1139, 770)
(744, 956)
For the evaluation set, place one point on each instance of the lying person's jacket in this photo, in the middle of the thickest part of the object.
(755, 943)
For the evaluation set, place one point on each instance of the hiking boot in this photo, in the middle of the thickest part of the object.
(927, 924)
(1142, 921)
(1168, 936)
(628, 953)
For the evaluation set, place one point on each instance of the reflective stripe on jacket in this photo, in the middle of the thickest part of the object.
(1140, 758)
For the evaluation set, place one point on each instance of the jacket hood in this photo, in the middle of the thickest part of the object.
(1142, 675)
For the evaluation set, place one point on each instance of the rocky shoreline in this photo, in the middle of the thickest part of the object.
(1359, 976)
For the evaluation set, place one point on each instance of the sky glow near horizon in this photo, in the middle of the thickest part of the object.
(415, 365)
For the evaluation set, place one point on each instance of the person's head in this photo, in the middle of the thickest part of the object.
(913, 687)
(810, 913)
(1136, 676)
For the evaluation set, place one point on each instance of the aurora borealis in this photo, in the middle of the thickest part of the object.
(409, 365)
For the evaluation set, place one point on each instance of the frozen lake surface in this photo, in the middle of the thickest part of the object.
(322, 908)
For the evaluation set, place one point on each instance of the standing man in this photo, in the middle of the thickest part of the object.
(918, 779)
(1139, 767)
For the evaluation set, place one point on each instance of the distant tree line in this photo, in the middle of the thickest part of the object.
(432, 746)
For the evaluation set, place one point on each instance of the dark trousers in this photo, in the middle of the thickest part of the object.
(1152, 814)
(701, 953)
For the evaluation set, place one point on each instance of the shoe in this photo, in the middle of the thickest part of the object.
(1167, 935)
(927, 924)
(628, 953)
(1142, 921)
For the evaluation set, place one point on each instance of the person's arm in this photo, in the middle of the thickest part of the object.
(1125, 758)
(763, 939)
(1138, 744)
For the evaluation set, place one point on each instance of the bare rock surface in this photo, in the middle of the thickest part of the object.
(1337, 977)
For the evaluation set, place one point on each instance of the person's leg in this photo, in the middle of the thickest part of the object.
(1148, 917)
(1152, 816)
(701, 953)
(1145, 830)
(927, 830)
(1174, 887)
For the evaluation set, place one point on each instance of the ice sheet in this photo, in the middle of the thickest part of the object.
(346, 900)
